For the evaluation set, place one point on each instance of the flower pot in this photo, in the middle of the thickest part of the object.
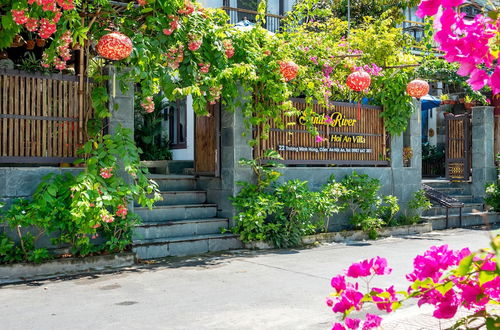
(40, 42)
(18, 41)
(468, 106)
(30, 44)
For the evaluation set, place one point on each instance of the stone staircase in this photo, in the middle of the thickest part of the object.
(473, 212)
(182, 224)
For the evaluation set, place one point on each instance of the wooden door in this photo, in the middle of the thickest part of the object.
(207, 142)
(458, 147)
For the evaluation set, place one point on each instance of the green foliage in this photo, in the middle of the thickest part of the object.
(417, 204)
(397, 104)
(322, 9)
(74, 210)
(365, 205)
(148, 131)
(493, 191)
(279, 213)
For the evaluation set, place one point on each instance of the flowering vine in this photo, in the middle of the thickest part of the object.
(474, 44)
(444, 278)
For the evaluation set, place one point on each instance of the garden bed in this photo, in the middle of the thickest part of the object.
(14, 273)
(351, 235)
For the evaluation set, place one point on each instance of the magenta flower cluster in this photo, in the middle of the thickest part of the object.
(348, 298)
(373, 69)
(447, 279)
(463, 289)
(466, 42)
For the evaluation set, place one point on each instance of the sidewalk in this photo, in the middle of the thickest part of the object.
(278, 289)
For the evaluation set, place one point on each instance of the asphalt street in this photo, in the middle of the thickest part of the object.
(276, 289)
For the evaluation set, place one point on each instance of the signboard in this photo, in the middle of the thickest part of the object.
(347, 140)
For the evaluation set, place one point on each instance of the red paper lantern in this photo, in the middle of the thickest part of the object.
(114, 46)
(359, 81)
(417, 88)
(288, 70)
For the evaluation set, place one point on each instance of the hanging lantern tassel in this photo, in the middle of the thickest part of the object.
(359, 81)
(114, 84)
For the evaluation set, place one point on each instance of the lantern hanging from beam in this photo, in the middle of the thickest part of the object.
(114, 46)
(359, 81)
(417, 88)
(288, 69)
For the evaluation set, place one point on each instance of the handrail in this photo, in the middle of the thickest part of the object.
(444, 200)
(247, 11)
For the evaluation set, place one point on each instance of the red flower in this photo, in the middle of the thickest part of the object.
(194, 45)
(188, 8)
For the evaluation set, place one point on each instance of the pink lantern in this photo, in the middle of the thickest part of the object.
(114, 46)
(359, 81)
(417, 88)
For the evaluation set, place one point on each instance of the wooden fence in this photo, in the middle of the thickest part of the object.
(347, 140)
(42, 118)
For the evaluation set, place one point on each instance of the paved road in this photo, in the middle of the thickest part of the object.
(242, 290)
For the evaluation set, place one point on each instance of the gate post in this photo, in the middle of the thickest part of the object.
(483, 163)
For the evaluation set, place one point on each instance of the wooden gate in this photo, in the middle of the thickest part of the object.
(458, 147)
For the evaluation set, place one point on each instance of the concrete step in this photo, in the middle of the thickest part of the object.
(186, 245)
(465, 198)
(452, 191)
(188, 171)
(441, 210)
(436, 184)
(174, 182)
(177, 212)
(181, 197)
(169, 229)
(468, 220)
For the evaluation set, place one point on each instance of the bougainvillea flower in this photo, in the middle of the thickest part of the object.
(349, 298)
(318, 139)
(495, 80)
(478, 78)
(428, 8)
(380, 266)
(452, 3)
(338, 326)
(352, 324)
(372, 321)
(338, 283)
(383, 302)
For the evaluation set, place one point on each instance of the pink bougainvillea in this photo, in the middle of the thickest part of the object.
(444, 278)
(465, 41)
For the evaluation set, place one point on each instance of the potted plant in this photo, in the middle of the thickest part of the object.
(407, 156)
(445, 99)
(468, 102)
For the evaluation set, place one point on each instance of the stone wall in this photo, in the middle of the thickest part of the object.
(395, 180)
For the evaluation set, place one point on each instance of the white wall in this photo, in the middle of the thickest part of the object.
(211, 3)
(188, 153)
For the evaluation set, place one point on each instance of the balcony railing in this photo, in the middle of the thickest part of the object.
(236, 15)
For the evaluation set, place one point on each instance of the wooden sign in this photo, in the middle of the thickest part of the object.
(347, 140)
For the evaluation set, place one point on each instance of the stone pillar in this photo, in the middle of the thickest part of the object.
(407, 180)
(121, 103)
(121, 106)
(483, 163)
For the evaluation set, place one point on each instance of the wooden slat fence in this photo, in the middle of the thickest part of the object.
(41, 120)
(364, 143)
(458, 147)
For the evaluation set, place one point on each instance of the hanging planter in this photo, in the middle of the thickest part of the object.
(114, 46)
(30, 45)
(359, 81)
(417, 88)
(40, 42)
(18, 41)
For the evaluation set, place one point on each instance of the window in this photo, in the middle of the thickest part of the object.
(176, 116)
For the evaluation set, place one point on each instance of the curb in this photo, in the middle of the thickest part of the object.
(15, 273)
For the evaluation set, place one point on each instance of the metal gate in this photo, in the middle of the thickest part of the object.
(458, 147)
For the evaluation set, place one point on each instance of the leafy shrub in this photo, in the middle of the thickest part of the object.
(278, 213)
(76, 209)
(368, 210)
(417, 204)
